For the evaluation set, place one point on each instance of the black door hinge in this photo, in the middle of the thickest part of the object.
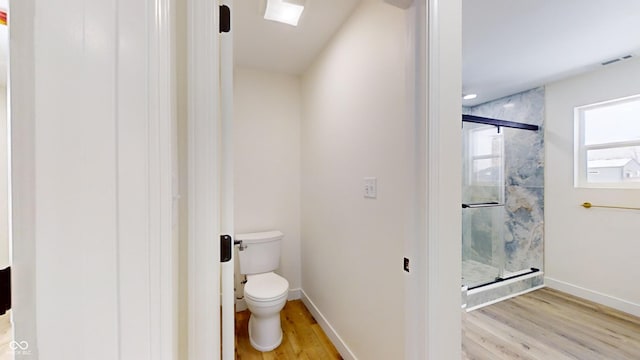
(226, 246)
(225, 19)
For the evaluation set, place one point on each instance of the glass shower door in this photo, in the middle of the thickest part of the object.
(483, 218)
(482, 246)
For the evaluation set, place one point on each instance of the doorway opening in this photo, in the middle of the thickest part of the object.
(324, 151)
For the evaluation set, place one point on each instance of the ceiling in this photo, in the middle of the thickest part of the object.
(508, 46)
(270, 45)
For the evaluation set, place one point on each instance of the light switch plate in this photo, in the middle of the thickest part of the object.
(370, 187)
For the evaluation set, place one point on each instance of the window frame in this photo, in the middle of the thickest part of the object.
(581, 149)
(470, 179)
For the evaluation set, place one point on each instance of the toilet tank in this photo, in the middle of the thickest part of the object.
(261, 252)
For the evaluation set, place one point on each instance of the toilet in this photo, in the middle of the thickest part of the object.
(265, 292)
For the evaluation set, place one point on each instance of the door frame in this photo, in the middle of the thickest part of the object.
(433, 289)
(204, 159)
(443, 175)
(210, 182)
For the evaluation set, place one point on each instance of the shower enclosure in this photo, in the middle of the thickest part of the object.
(483, 201)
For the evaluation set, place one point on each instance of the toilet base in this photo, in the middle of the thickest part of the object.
(265, 334)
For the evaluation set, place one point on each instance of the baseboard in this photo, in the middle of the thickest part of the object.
(294, 294)
(597, 297)
(337, 341)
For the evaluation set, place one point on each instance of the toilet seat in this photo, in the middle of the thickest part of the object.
(265, 287)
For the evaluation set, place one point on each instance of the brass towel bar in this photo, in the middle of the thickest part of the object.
(588, 205)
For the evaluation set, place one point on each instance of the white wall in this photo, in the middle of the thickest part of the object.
(23, 297)
(267, 160)
(355, 125)
(591, 253)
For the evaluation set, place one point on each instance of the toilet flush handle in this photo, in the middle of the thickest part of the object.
(239, 242)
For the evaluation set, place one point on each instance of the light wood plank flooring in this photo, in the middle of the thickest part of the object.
(5, 336)
(549, 325)
(302, 339)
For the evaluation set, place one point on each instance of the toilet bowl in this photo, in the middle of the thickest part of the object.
(265, 292)
(265, 296)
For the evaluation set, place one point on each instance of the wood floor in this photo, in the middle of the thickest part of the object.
(549, 325)
(542, 325)
(5, 337)
(302, 337)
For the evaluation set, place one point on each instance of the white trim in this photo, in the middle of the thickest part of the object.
(415, 294)
(595, 296)
(337, 341)
(145, 151)
(432, 288)
(204, 183)
(241, 305)
(227, 191)
(163, 296)
(443, 180)
(504, 298)
(294, 294)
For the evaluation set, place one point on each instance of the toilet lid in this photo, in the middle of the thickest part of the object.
(263, 287)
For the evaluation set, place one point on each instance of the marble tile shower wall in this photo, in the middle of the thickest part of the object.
(524, 176)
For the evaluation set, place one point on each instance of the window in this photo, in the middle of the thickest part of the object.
(486, 156)
(607, 140)
(483, 164)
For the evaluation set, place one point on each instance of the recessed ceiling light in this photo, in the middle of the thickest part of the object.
(470, 96)
(508, 105)
(283, 11)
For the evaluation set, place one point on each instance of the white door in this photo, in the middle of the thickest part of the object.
(210, 139)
